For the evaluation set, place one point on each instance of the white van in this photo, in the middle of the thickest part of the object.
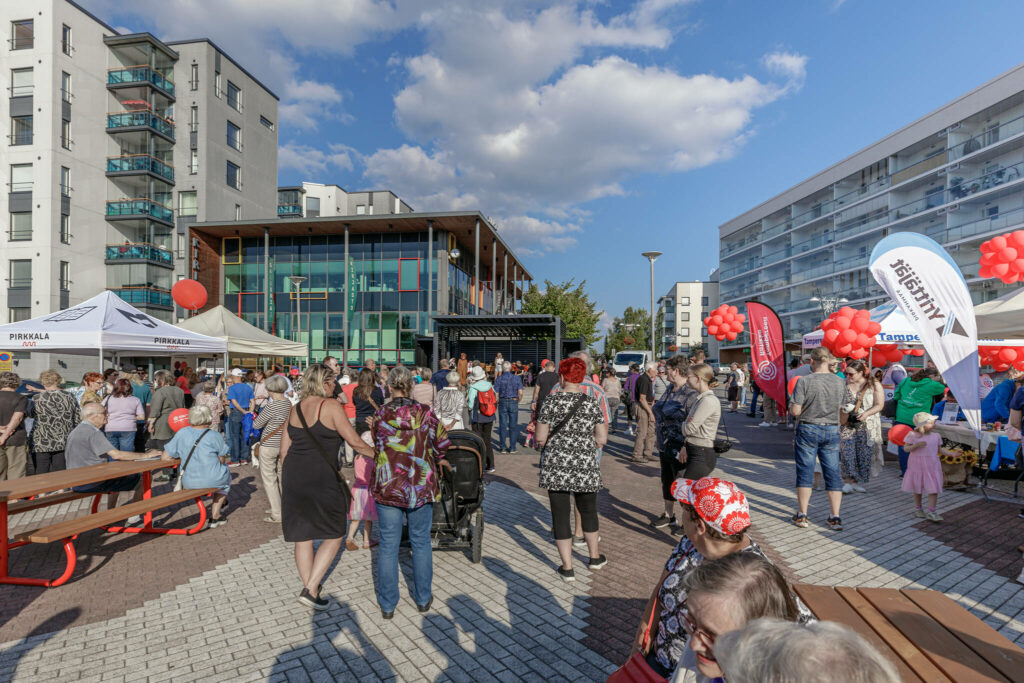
(623, 359)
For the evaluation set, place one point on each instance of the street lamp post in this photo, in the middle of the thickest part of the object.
(651, 256)
(297, 281)
(827, 304)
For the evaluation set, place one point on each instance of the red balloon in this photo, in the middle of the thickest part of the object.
(189, 294)
(844, 350)
(842, 324)
(874, 328)
(737, 326)
(730, 335)
(741, 318)
(1000, 269)
(791, 385)
(1017, 238)
(1009, 279)
(859, 324)
(1007, 355)
(988, 259)
(729, 317)
(828, 324)
(1001, 367)
(847, 312)
(716, 319)
(864, 341)
(997, 242)
(985, 271)
(713, 330)
(733, 310)
(985, 247)
(879, 361)
(848, 335)
(178, 418)
(831, 336)
(1008, 254)
(1018, 265)
(863, 313)
(858, 354)
(897, 433)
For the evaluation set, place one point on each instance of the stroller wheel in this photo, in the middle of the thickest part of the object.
(478, 536)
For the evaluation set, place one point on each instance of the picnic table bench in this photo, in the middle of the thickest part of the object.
(18, 496)
(928, 636)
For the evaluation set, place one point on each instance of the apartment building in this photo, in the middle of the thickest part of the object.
(685, 306)
(312, 200)
(955, 175)
(115, 144)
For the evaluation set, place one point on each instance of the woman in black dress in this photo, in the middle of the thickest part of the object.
(314, 501)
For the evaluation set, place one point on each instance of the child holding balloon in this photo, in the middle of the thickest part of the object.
(924, 471)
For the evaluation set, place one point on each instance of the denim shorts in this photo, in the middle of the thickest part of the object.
(817, 442)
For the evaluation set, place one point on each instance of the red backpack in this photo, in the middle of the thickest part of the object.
(487, 402)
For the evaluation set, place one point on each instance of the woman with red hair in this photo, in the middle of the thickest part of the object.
(570, 429)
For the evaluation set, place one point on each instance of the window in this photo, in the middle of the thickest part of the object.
(234, 176)
(22, 34)
(65, 181)
(21, 130)
(238, 212)
(703, 301)
(21, 226)
(193, 118)
(684, 332)
(216, 83)
(408, 274)
(266, 123)
(234, 136)
(188, 203)
(312, 207)
(65, 86)
(17, 315)
(684, 317)
(65, 229)
(65, 40)
(20, 273)
(360, 209)
(193, 164)
(703, 331)
(194, 80)
(65, 134)
(65, 275)
(21, 177)
(234, 96)
(22, 82)
(684, 301)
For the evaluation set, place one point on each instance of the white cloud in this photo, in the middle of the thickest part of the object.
(313, 162)
(789, 65)
(605, 322)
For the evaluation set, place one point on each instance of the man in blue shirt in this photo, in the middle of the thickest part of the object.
(440, 378)
(996, 405)
(509, 388)
(241, 400)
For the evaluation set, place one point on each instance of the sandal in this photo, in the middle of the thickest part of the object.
(835, 524)
(351, 545)
(800, 519)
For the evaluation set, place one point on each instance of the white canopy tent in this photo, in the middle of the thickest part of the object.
(241, 337)
(102, 324)
(1002, 316)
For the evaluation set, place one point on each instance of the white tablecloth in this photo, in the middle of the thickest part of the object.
(961, 433)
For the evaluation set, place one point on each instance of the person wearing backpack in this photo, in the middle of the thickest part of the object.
(483, 407)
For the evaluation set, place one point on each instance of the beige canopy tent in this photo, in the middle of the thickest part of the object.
(242, 338)
(1002, 317)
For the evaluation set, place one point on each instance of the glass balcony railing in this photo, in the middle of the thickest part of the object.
(137, 119)
(153, 296)
(986, 138)
(128, 208)
(136, 251)
(140, 163)
(289, 209)
(139, 74)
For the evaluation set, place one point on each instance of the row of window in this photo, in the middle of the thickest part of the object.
(19, 274)
(21, 221)
(23, 36)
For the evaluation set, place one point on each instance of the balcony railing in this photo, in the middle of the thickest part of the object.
(153, 296)
(138, 119)
(137, 251)
(986, 138)
(127, 208)
(140, 163)
(140, 74)
(20, 138)
(289, 209)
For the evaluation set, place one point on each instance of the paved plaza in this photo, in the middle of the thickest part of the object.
(221, 605)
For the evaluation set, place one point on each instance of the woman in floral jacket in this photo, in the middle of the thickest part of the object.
(409, 440)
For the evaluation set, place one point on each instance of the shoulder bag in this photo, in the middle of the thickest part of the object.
(636, 669)
(572, 412)
(346, 492)
(181, 470)
(256, 446)
(721, 445)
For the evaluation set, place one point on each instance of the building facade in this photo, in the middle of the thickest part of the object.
(115, 143)
(684, 308)
(312, 200)
(955, 175)
(367, 286)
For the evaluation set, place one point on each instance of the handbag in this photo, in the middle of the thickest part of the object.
(722, 445)
(181, 470)
(572, 411)
(636, 669)
(256, 446)
(346, 492)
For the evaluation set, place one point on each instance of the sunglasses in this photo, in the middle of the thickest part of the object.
(708, 639)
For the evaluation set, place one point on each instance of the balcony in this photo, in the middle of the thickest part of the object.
(147, 296)
(136, 75)
(139, 252)
(138, 208)
(289, 210)
(138, 120)
(139, 163)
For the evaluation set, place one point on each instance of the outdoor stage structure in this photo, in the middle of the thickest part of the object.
(527, 338)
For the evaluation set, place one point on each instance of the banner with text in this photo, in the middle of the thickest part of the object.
(928, 287)
(767, 351)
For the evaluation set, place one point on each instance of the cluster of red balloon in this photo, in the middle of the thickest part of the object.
(850, 333)
(189, 294)
(1001, 357)
(883, 354)
(912, 352)
(1003, 257)
(725, 322)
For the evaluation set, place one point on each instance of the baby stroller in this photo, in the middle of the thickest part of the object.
(459, 516)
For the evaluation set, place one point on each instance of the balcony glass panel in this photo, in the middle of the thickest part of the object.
(149, 252)
(134, 119)
(986, 138)
(140, 74)
(140, 163)
(289, 210)
(144, 295)
(139, 207)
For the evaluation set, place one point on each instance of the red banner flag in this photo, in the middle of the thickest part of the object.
(767, 351)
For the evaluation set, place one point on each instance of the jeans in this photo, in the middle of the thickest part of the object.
(821, 442)
(755, 391)
(236, 442)
(508, 423)
(122, 441)
(389, 522)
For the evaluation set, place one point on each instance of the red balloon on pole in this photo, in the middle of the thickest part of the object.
(178, 418)
(898, 433)
(189, 294)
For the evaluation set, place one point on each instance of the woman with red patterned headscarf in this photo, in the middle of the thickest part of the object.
(570, 429)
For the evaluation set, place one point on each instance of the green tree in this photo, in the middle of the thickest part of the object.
(571, 303)
(635, 323)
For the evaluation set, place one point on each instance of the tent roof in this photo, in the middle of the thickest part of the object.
(1002, 316)
(104, 323)
(241, 337)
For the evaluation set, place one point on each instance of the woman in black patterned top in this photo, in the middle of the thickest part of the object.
(56, 413)
(570, 429)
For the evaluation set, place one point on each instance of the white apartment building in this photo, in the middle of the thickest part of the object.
(310, 200)
(955, 175)
(685, 306)
(114, 144)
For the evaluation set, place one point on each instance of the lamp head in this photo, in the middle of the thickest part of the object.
(454, 254)
(651, 254)
(814, 300)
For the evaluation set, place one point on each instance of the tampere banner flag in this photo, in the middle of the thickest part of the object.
(767, 351)
(928, 287)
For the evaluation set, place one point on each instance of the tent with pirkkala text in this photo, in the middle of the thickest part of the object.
(242, 338)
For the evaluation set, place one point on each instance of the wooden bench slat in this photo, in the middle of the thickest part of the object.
(984, 640)
(828, 605)
(955, 659)
(25, 487)
(71, 527)
(56, 499)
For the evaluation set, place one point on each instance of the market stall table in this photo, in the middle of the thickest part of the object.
(961, 433)
(24, 489)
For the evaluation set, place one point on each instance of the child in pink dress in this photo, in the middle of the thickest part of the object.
(363, 509)
(924, 471)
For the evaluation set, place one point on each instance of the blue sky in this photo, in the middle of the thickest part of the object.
(592, 131)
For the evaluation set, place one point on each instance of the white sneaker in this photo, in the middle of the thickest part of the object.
(859, 489)
(133, 520)
(765, 424)
(847, 488)
(933, 516)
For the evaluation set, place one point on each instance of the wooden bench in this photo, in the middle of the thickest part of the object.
(46, 501)
(928, 636)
